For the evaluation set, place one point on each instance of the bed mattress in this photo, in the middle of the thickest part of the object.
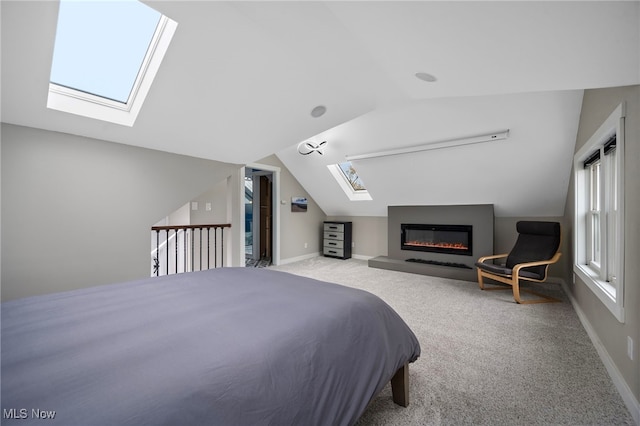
(228, 346)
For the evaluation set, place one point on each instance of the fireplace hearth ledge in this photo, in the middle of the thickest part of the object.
(384, 262)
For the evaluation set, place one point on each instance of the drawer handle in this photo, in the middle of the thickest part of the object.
(333, 235)
(333, 244)
(332, 251)
(333, 227)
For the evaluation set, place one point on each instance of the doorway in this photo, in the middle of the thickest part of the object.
(259, 217)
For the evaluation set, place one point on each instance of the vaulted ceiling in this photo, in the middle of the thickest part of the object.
(240, 79)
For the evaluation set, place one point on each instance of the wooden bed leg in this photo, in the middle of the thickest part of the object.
(400, 386)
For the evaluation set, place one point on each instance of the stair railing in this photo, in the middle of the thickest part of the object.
(185, 248)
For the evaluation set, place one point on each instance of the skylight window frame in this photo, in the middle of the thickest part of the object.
(343, 182)
(86, 104)
(357, 177)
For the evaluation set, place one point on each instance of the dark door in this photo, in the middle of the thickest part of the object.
(266, 216)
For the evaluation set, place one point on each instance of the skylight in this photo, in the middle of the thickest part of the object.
(348, 179)
(351, 175)
(105, 57)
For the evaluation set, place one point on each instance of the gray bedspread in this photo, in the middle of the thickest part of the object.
(230, 346)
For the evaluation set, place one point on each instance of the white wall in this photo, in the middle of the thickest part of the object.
(77, 212)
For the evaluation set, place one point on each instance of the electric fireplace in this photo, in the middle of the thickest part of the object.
(450, 239)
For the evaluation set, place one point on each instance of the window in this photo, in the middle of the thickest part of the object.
(348, 179)
(593, 216)
(351, 175)
(105, 58)
(599, 236)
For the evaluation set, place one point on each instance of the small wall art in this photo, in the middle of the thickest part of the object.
(299, 204)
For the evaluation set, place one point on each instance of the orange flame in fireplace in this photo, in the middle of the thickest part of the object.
(456, 246)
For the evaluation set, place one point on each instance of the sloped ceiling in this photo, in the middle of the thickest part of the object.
(240, 79)
(524, 175)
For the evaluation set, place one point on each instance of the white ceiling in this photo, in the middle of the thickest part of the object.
(525, 175)
(240, 79)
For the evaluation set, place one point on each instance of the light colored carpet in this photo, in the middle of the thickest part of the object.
(485, 359)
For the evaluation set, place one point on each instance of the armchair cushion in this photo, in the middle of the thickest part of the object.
(536, 248)
(536, 241)
(503, 270)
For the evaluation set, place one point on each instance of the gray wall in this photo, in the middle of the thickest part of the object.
(479, 216)
(296, 228)
(596, 107)
(369, 235)
(76, 212)
(217, 197)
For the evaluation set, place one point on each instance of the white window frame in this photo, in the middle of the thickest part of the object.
(74, 101)
(352, 194)
(594, 230)
(604, 273)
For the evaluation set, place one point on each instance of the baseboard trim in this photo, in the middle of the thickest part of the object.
(618, 380)
(318, 254)
(298, 258)
(361, 257)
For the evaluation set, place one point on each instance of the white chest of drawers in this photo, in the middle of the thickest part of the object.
(337, 240)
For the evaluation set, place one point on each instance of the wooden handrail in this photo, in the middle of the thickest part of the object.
(173, 227)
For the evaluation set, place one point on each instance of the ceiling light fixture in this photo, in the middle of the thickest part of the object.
(318, 111)
(504, 134)
(306, 148)
(426, 77)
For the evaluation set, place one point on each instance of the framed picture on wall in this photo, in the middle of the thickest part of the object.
(299, 204)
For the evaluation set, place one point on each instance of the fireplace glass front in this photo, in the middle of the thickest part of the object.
(450, 239)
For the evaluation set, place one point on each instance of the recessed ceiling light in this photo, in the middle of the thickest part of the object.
(426, 77)
(318, 111)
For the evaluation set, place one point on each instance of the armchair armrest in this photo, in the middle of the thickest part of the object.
(516, 268)
(493, 256)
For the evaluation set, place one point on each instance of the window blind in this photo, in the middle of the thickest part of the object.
(591, 159)
(609, 146)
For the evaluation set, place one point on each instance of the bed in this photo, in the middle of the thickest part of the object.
(227, 346)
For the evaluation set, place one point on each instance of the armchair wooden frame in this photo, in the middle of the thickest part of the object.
(514, 278)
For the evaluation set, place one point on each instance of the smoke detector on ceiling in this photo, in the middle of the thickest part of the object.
(425, 77)
(318, 111)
